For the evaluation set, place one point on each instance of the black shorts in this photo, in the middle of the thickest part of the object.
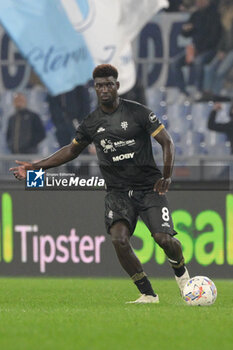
(149, 205)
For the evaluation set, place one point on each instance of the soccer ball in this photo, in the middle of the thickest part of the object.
(199, 291)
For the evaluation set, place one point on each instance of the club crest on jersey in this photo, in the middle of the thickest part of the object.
(107, 145)
(100, 129)
(124, 125)
(152, 117)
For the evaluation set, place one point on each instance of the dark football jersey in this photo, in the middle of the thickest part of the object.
(123, 144)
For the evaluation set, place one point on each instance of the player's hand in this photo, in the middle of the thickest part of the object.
(162, 185)
(217, 106)
(20, 172)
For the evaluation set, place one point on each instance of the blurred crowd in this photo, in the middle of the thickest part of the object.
(190, 5)
(181, 5)
(208, 56)
(209, 53)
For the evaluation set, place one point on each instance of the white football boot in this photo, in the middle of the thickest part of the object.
(145, 299)
(181, 281)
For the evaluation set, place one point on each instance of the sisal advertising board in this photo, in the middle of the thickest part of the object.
(62, 233)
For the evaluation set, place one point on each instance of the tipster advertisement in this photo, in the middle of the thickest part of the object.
(63, 234)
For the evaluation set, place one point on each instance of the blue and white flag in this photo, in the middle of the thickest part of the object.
(109, 28)
(64, 39)
(46, 38)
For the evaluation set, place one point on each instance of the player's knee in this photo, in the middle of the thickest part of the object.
(120, 238)
(120, 242)
(164, 240)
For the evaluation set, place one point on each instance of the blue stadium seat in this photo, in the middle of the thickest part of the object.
(213, 138)
(221, 138)
(50, 144)
(187, 139)
(164, 120)
(179, 118)
(176, 136)
(197, 137)
(200, 113)
(154, 97)
(179, 150)
(219, 150)
(223, 114)
(161, 109)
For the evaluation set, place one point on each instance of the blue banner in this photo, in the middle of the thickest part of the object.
(47, 39)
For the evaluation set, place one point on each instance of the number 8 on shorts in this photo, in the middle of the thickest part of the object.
(165, 214)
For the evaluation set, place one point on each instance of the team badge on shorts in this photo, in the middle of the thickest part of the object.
(152, 117)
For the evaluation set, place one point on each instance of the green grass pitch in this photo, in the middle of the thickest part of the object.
(91, 314)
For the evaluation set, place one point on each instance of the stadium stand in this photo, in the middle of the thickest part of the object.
(186, 121)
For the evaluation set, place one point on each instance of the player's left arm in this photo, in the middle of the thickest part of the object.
(166, 142)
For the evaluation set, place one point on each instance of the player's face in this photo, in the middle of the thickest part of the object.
(106, 90)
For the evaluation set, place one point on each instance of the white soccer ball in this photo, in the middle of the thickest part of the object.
(200, 291)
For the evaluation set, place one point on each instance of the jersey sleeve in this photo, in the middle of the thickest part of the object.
(82, 135)
(150, 122)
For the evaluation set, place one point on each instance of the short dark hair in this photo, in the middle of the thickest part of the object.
(105, 70)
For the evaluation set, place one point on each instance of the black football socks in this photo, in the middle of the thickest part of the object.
(143, 284)
(178, 267)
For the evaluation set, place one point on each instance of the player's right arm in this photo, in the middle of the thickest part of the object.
(166, 142)
(63, 155)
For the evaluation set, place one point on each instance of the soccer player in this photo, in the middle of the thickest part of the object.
(121, 131)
